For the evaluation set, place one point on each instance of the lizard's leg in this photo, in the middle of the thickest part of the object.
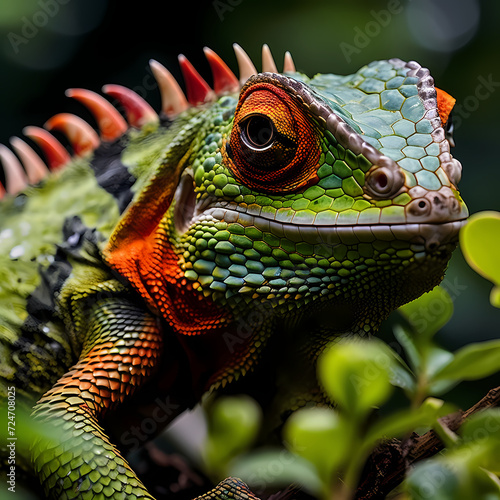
(122, 348)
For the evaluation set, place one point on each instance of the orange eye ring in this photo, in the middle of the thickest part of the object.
(273, 144)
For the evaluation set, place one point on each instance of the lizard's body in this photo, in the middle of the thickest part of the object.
(246, 247)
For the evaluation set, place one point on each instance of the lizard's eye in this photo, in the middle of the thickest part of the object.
(258, 132)
(273, 144)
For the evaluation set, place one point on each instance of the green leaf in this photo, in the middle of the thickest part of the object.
(437, 358)
(495, 296)
(400, 374)
(472, 362)
(445, 479)
(402, 377)
(405, 338)
(484, 427)
(405, 421)
(321, 436)
(356, 374)
(433, 479)
(233, 424)
(429, 313)
(273, 469)
(480, 243)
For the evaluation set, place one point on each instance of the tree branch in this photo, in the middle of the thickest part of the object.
(387, 465)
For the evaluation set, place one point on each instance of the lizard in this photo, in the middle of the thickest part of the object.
(217, 245)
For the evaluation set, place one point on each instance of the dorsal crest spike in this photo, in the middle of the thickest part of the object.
(15, 177)
(137, 110)
(111, 123)
(288, 65)
(81, 135)
(197, 89)
(56, 154)
(245, 64)
(35, 167)
(173, 100)
(268, 64)
(224, 79)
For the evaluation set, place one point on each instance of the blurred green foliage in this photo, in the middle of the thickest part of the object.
(480, 242)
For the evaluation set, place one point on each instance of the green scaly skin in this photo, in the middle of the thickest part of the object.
(213, 278)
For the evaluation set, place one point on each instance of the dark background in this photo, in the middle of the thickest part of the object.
(47, 46)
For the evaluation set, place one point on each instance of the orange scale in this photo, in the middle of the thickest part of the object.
(134, 370)
(106, 345)
(104, 393)
(114, 375)
(84, 386)
(102, 382)
(114, 385)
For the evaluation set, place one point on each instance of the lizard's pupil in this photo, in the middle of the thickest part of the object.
(259, 132)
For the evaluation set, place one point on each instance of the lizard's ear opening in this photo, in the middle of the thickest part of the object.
(445, 104)
(184, 203)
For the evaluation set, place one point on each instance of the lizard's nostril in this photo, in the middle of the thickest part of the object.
(419, 207)
(434, 206)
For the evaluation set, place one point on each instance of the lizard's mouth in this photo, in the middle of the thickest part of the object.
(424, 237)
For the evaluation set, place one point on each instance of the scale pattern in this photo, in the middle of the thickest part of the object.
(232, 235)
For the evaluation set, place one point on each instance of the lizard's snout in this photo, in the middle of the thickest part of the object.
(439, 214)
(438, 206)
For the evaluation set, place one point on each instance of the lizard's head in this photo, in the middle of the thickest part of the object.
(335, 187)
(336, 192)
